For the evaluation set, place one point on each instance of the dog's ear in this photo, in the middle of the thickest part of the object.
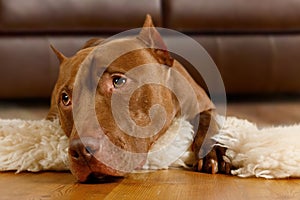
(58, 54)
(151, 37)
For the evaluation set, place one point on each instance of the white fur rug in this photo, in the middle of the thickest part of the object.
(270, 153)
(32, 146)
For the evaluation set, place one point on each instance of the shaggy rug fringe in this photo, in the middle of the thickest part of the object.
(269, 152)
(32, 146)
(272, 152)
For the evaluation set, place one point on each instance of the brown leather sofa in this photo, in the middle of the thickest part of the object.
(255, 44)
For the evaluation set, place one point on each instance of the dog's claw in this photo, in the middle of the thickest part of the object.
(213, 166)
(199, 165)
(223, 167)
(228, 168)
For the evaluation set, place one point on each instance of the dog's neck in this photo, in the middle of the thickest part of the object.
(173, 149)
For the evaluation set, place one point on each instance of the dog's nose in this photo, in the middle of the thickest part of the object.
(83, 149)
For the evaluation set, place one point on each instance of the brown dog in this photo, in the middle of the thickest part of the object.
(102, 82)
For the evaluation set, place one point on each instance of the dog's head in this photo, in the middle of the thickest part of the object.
(109, 99)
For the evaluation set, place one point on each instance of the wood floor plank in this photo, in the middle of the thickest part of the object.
(164, 184)
(181, 185)
(49, 185)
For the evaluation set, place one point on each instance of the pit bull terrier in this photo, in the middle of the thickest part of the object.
(89, 150)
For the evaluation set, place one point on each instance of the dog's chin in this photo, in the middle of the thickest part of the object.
(94, 170)
(95, 177)
(95, 174)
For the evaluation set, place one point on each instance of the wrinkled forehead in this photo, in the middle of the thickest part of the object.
(115, 56)
(122, 54)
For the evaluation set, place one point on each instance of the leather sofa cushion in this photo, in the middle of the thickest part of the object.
(249, 64)
(29, 68)
(76, 15)
(256, 64)
(233, 15)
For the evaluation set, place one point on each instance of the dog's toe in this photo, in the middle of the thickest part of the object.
(224, 167)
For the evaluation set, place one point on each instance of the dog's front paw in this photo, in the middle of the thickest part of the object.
(214, 162)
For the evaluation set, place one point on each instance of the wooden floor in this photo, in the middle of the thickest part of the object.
(165, 184)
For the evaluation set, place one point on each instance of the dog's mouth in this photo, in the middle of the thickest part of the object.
(96, 177)
(92, 161)
(86, 175)
(95, 173)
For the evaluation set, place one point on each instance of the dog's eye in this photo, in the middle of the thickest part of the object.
(65, 99)
(119, 81)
